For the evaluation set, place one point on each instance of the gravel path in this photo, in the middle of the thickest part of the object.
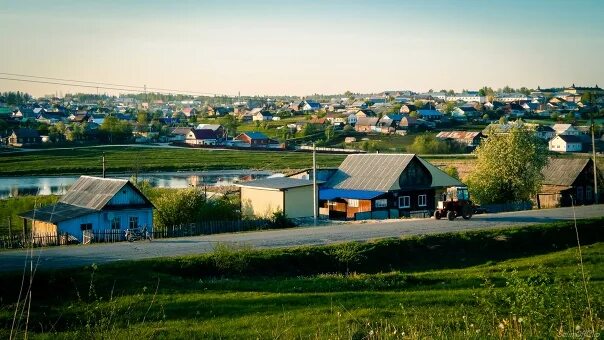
(73, 256)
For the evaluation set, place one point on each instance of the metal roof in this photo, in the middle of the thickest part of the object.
(331, 194)
(56, 213)
(458, 134)
(277, 183)
(563, 171)
(93, 192)
(375, 172)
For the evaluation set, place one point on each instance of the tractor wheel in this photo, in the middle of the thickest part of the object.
(437, 214)
(466, 212)
(451, 215)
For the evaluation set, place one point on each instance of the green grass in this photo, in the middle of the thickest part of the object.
(127, 159)
(9, 208)
(442, 297)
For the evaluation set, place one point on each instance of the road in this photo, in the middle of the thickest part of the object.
(80, 255)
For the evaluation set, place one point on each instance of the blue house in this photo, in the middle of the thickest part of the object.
(92, 204)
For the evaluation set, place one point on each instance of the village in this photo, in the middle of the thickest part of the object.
(388, 121)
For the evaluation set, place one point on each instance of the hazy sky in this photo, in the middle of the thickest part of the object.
(303, 47)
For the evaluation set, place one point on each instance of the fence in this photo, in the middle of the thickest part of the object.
(118, 235)
(513, 206)
(19, 241)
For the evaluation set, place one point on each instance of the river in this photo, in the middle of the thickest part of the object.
(58, 185)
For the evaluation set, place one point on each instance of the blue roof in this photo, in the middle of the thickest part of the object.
(255, 135)
(330, 194)
(429, 113)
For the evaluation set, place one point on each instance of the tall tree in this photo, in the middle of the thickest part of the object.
(508, 168)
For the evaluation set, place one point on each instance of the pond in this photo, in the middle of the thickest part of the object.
(58, 185)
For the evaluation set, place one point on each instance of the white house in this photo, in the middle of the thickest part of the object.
(565, 143)
(352, 119)
(202, 137)
(93, 204)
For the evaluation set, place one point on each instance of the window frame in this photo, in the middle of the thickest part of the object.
(419, 200)
(85, 226)
(116, 223)
(130, 220)
(407, 198)
(353, 203)
(383, 203)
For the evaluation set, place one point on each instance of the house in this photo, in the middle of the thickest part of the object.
(309, 105)
(364, 113)
(221, 133)
(255, 140)
(366, 124)
(466, 138)
(429, 114)
(567, 181)
(566, 143)
(389, 123)
(262, 116)
(264, 197)
(23, 137)
(466, 112)
(189, 112)
(545, 132)
(466, 97)
(218, 111)
(179, 134)
(203, 137)
(383, 186)
(408, 108)
(566, 129)
(407, 122)
(352, 119)
(92, 204)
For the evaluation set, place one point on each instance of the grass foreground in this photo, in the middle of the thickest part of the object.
(510, 283)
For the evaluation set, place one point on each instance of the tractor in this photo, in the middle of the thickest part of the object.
(454, 202)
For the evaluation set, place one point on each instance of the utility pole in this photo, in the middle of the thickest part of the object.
(103, 165)
(314, 183)
(593, 149)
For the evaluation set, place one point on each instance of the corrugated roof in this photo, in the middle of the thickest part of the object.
(255, 135)
(563, 171)
(278, 183)
(440, 179)
(56, 213)
(93, 192)
(331, 194)
(458, 134)
(376, 172)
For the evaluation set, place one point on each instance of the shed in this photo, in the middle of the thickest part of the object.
(263, 197)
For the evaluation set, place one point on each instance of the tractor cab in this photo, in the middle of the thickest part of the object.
(454, 202)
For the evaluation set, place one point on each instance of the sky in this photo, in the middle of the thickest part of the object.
(282, 47)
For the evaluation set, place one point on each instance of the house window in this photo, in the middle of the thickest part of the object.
(588, 193)
(116, 223)
(86, 226)
(133, 222)
(404, 202)
(421, 200)
(353, 203)
(381, 203)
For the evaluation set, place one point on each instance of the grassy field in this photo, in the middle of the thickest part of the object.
(9, 208)
(131, 159)
(511, 283)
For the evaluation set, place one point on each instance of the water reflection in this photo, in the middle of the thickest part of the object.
(58, 185)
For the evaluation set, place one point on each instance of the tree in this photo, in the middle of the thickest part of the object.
(451, 171)
(508, 166)
(429, 144)
(449, 107)
(586, 98)
(230, 123)
(329, 133)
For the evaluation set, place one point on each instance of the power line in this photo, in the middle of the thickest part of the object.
(122, 87)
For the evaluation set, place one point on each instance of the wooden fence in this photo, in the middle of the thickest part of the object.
(117, 235)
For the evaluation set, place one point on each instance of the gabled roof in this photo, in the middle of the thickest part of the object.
(255, 135)
(204, 134)
(563, 171)
(277, 183)
(381, 172)
(374, 172)
(26, 133)
(458, 134)
(95, 192)
(181, 130)
(570, 138)
(367, 121)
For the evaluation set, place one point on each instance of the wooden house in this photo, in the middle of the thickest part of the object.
(264, 197)
(366, 124)
(383, 186)
(92, 204)
(24, 137)
(255, 140)
(567, 181)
